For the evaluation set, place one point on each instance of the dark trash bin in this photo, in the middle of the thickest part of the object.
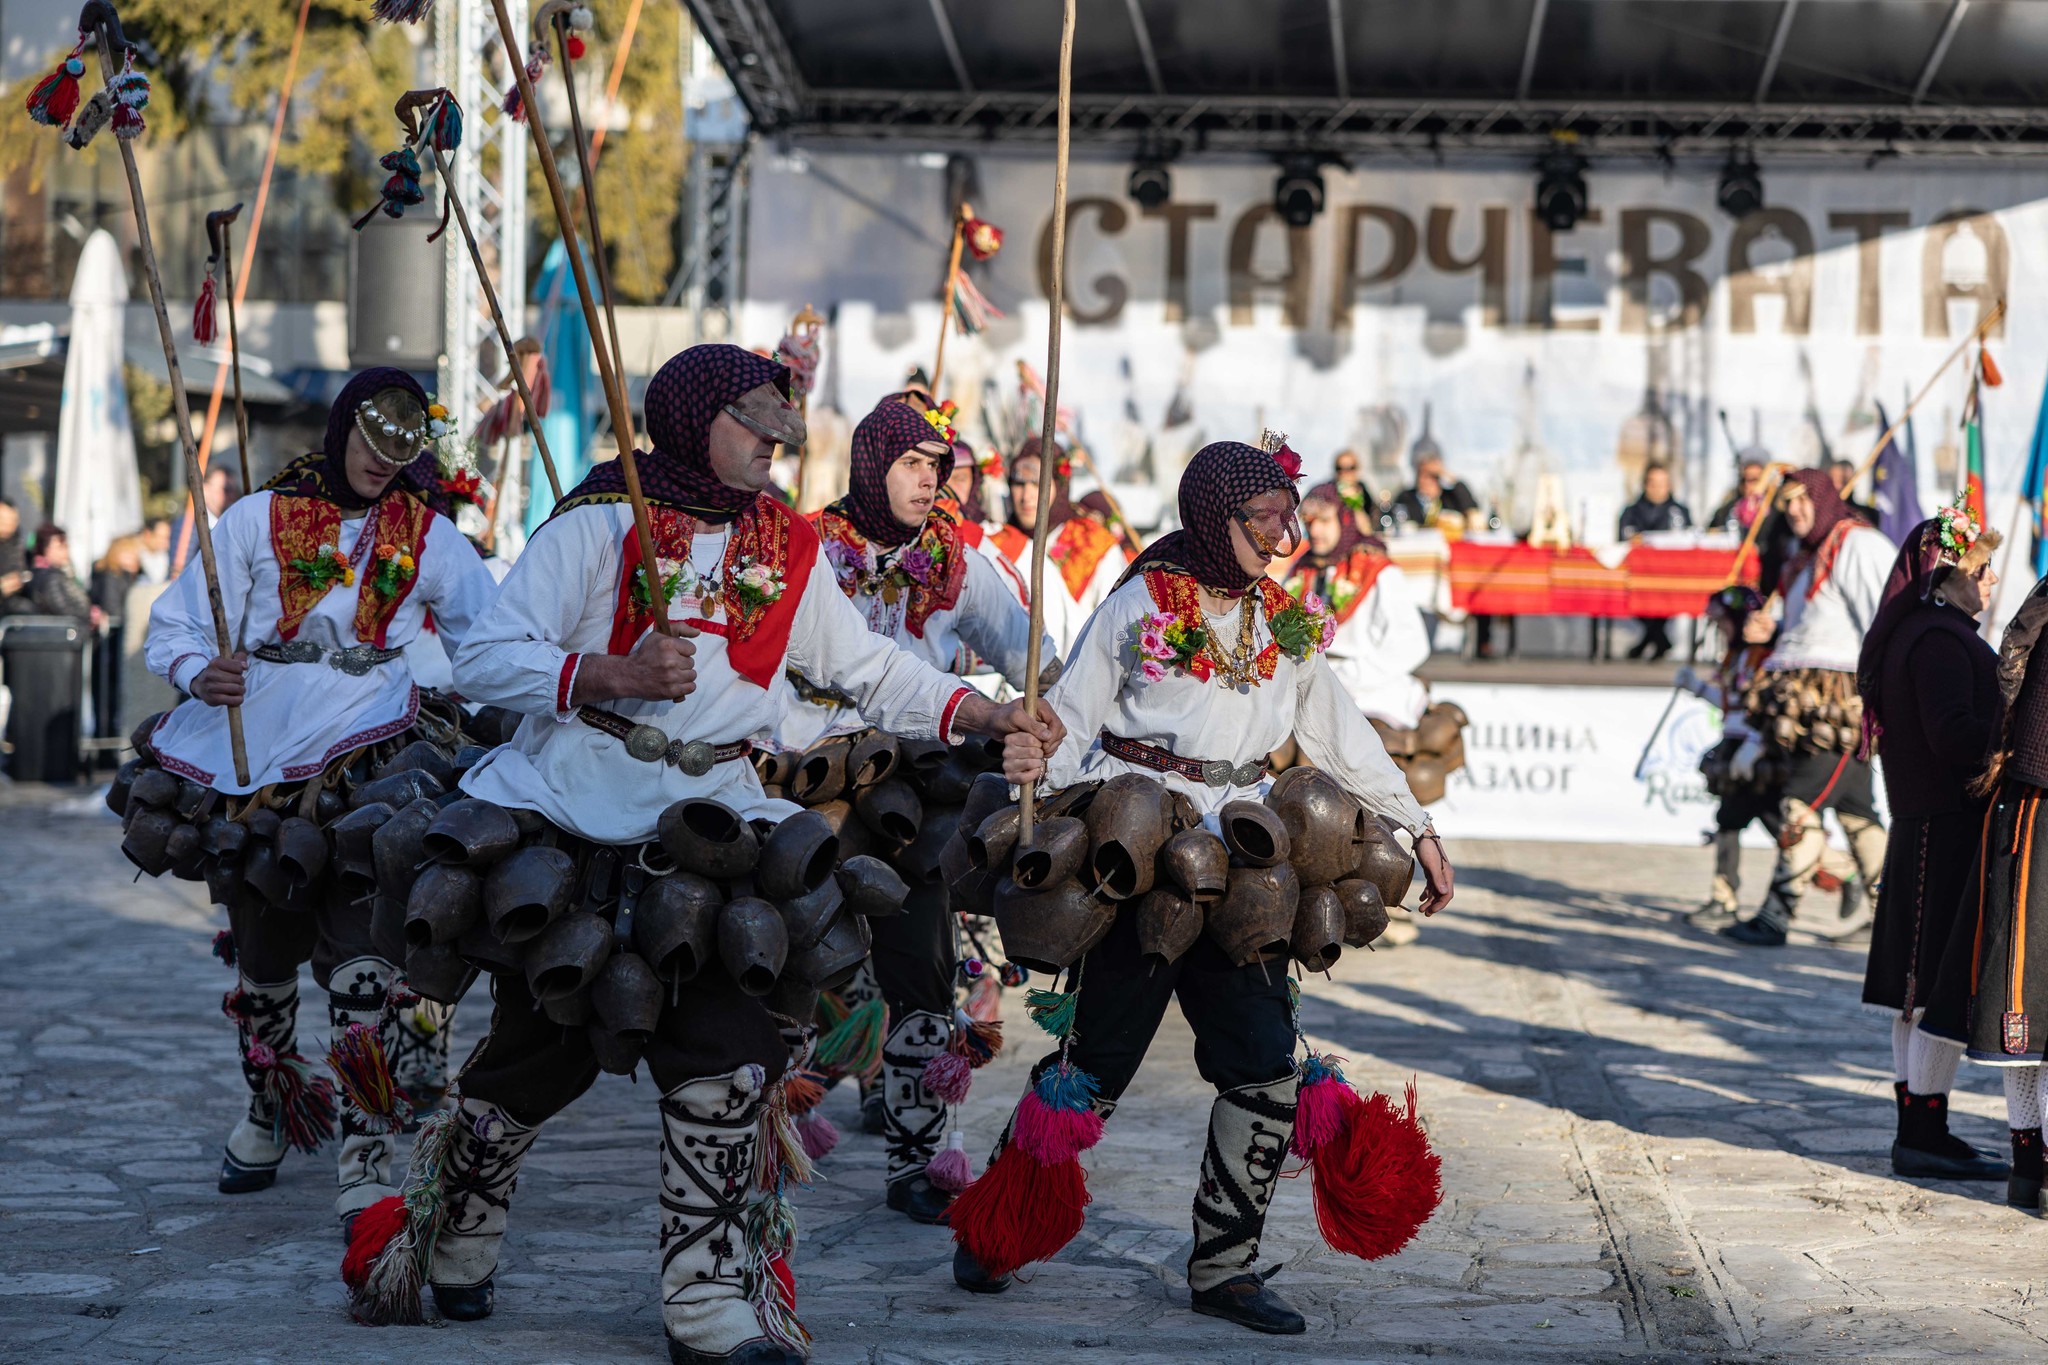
(42, 661)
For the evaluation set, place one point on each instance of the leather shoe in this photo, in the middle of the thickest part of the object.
(1756, 932)
(1711, 918)
(465, 1303)
(874, 1111)
(235, 1178)
(1957, 1161)
(968, 1274)
(1246, 1301)
(759, 1351)
(916, 1198)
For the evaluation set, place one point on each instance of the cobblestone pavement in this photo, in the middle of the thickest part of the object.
(1655, 1147)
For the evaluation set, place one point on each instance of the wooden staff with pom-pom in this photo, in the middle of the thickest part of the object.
(217, 245)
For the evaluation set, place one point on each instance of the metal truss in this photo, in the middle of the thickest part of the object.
(493, 191)
(714, 256)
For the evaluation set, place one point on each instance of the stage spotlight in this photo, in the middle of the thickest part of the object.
(1741, 191)
(1151, 184)
(1561, 183)
(1298, 193)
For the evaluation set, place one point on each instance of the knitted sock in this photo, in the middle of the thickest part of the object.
(1931, 1064)
(2022, 1096)
(1902, 1036)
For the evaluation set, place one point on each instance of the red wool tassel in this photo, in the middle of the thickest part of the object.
(1378, 1182)
(55, 97)
(372, 1231)
(949, 1077)
(575, 46)
(818, 1134)
(1053, 1137)
(1019, 1211)
(513, 106)
(203, 328)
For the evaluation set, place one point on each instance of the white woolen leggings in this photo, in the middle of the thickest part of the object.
(2023, 1096)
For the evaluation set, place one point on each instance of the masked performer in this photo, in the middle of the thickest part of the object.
(1380, 640)
(624, 768)
(1991, 986)
(1929, 690)
(1804, 708)
(899, 556)
(1195, 669)
(1083, 557)
(326, 575)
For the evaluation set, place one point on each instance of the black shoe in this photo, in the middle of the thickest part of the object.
(916, 1198)
(2023, 1187)
(759, 1351)
(1926, 1150)
(465, 1303)
(1757, 932)
(348, 1228)
(968, 1274)
(1247, 1302)
(235, 1178)
(874, 1113)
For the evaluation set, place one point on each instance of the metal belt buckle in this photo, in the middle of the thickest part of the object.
(695, 758)
(1216, 773)
(647, 744)
(296, 652)
(355, 661)
(1248, 773)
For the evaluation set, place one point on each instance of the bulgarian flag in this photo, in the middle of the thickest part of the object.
(1986, 376)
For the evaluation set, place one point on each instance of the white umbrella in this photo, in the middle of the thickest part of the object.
(99, 492)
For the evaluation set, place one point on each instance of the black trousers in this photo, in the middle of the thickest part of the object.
(271, 942)
(915, 955)
(1244, 1030)
(533, 1068)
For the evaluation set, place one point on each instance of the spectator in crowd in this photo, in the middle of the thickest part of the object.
(1435, 492)
(50, 584)
(155, 546)
(118, 570)
(1654, 511)
(13, 563)
(221, 490)
(1842, 474)
(1348, 491)
(1746, 503)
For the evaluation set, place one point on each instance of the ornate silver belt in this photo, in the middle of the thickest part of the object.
(695, 757)
(355, 661)
(1214, 772)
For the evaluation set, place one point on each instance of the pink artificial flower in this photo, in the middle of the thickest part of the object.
(1151, 670)
(1154, 645)
(1329, 630)
(1314, 602)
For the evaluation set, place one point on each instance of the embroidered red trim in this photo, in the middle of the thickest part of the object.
(941, 539)
(300, 526)
(946, 716)
(566, 683)
(1078, 550)
(1359, 571)
(359, 739)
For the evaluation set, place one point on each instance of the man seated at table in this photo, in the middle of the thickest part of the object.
(1654, 511)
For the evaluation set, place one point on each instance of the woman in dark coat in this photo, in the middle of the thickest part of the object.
(1992, 985)
(1929, 693)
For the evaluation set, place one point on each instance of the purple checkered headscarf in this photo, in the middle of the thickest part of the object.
(1223, 476)
(883, 437)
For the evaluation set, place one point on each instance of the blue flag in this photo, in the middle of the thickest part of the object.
(1898, 486)
(566, 341)
(2035, 487)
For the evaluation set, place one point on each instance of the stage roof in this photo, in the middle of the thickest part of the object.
(1954, 78)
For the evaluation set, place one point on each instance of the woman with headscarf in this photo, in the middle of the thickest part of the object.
(1991, 988)
(1380, 639)
(325, 575)
(1803, 709)
(1083, 558)
(901, 557)
(1929, 689)
(633, 742)
(1196, 668)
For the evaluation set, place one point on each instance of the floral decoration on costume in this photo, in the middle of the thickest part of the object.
(1299, 629)
(1957, 528)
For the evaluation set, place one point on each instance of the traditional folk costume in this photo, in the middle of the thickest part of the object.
(1126, 885)
(1929, 691)
(659, 906)
(1805, 711)
(1991, 994)
(923, 588)
(1084, 559)
(325, 589)
(1380, 639)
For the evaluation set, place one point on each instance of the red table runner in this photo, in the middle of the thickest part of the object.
(1525, 580)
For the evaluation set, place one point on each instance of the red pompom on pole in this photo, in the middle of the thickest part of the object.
(204, 329)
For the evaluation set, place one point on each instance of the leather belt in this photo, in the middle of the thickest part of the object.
(695, 757)
(355, 661)
(1215, 772)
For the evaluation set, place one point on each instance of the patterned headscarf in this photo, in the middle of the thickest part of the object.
(972, 506)
(1349, 537)
(683, 399)
(1223, 476)
(883, 437)
(1828, 507)
(324, 473)
(1062, 510)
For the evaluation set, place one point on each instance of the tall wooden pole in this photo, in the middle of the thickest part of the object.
(558, 19)
(960, 216)
(1049, 428)
(217, 224)
(1977, 333)
(607, 373)
(805, 324)
(99, 17)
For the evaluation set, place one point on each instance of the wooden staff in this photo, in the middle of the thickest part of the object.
(1052, 390)
(217, 224)
(98, 18)
(960, 217)
(1984, 325)
(607, 374)
(806, 323)
(555, 13)
(408, 104)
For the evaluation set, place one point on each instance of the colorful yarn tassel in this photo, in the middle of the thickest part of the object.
(224, 946)
(985, 998)
(204, 329)
(389, 1250)
(832, 1007)
(950, 1170)
(1056, 1119)
(782, 1154)
(949, 1076)
(854, 1046)
(401, 11)
(771, 1288)
(1053, 1011)
(131, 97)
(1019, 1211)
(818, 1133)
(359, 1065)
(978, 1040)
(803, 1091)
(1376, 1180)
(302, 1101)
(55, 97)
(446, 130)
(400, 192)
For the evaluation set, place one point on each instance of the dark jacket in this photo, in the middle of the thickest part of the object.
(56, 593)
(1456, 498)
(1941, 693)
(1643, 516)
